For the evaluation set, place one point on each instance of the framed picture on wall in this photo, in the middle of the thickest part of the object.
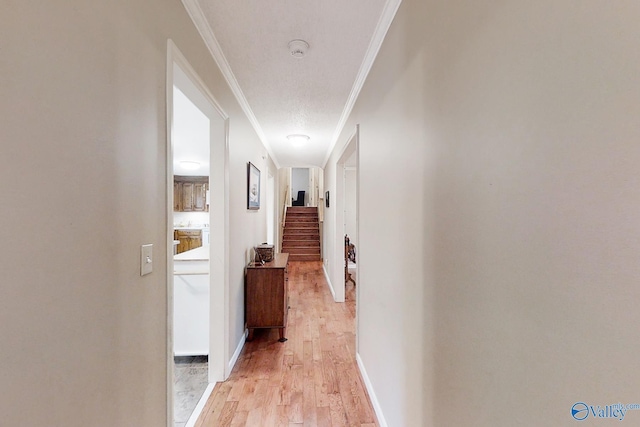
(326, 199)
(253, 187)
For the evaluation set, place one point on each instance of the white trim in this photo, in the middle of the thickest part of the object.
(206, 32)
(347, 151)
(218, 328)
(236, 354)
(219, 152)
(200, 406)
(358, 235)
(180, 59)
(372, 394)
(227, 248)
(384, 23)
(169, 232)
(326, 276)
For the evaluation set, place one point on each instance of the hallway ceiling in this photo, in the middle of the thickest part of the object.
(284, 95)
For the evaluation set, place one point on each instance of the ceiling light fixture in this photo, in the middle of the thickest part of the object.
(298, 140)
(189, 165)
(298, 48)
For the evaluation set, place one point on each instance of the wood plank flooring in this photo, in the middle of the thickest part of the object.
(311, 380)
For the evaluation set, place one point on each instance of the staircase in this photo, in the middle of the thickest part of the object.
(301, 236)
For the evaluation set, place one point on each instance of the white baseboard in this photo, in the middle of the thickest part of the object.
(372, 394)
(200, 406)
(326, 276)
(236, 354)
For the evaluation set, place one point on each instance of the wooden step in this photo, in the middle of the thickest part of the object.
(303, 251)
(301, 236)
(295, 257)
(294, 225)
(309, 220)
(305, 212)
(295, 248)
(309, 243)
(302, 230)
(301, 209)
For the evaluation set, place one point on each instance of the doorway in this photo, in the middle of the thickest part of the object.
(346, 222)
(300, 186)
(350, 229)
(195, 348)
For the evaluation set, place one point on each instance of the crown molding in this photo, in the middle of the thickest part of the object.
(202, 25)
(384, 23)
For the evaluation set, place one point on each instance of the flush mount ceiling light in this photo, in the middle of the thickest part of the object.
(298, 48)
(298, 140)
(189, 165)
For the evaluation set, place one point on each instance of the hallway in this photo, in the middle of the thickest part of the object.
(311, 380)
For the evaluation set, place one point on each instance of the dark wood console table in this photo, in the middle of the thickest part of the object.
(266, 296)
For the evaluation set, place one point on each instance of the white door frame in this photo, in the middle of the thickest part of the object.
(271, 210)
(350, 148)
(219, 370)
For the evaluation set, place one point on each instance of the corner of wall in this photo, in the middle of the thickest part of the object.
(326, 276)
(372, 394)
(236, 354)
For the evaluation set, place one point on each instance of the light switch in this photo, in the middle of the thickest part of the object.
(146, 259)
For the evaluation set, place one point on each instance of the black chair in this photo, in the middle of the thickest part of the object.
(299, 201)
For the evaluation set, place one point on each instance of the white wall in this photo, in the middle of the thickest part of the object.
(498, 276)
(83, 177)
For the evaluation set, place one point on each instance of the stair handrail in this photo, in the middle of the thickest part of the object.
(287, 202)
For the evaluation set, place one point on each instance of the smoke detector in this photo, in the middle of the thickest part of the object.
(298, 48)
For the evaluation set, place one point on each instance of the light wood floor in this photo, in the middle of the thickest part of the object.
(310, 380)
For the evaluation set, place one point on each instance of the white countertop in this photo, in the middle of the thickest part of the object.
(193, 227)
(197, 254)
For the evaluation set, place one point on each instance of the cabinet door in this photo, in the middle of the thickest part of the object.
(187, 196)
(189, 239)
(177, 196)
(195, 242)
(183, 246)
(200, 197)
(265, 298)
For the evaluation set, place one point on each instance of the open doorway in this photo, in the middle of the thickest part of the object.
(197, 272)
(300, 186)
(350, 229)
(346, 222)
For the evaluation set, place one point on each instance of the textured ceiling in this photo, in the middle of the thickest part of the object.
(288, 95)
